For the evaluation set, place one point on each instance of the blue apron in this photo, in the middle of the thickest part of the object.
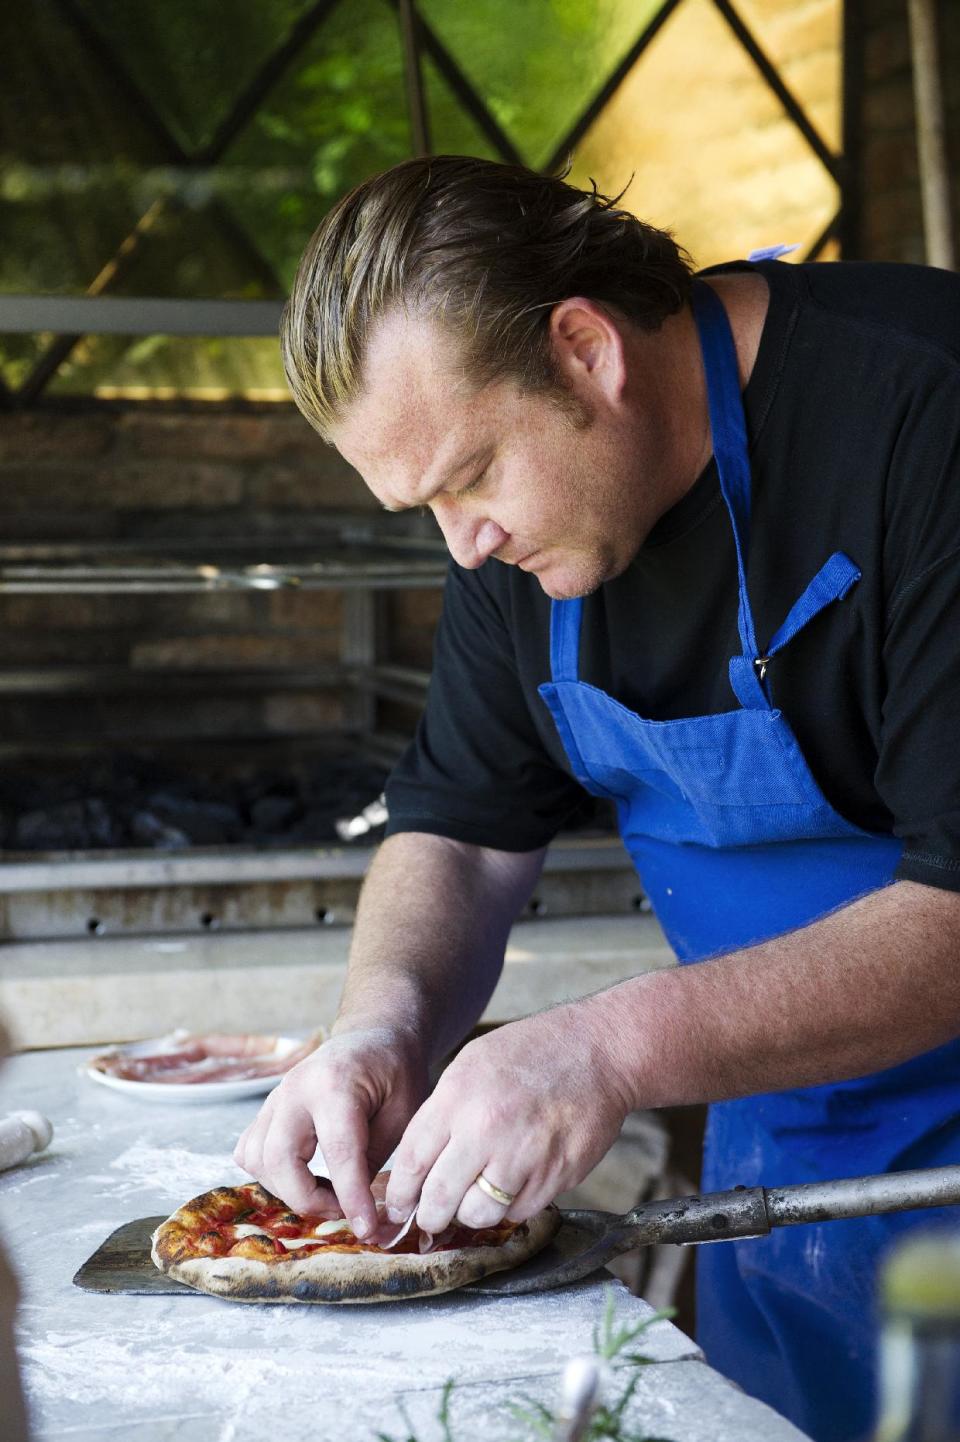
(736, 843)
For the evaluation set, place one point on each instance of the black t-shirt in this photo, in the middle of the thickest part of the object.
(853, 417)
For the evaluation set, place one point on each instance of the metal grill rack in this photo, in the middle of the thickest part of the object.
(349, 554)
(67, 896)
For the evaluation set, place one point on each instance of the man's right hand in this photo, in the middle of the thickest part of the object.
(353, 1097)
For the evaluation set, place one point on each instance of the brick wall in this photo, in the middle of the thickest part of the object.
(98, 474)
(891, 222)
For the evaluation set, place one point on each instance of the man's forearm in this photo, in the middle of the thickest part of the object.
(430, 934)
(859, 990)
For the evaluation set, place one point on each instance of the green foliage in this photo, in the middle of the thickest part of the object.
(608, 1423)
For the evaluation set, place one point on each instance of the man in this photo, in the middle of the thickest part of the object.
(705, 537)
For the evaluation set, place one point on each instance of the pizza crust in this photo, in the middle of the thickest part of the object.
(334, 1276)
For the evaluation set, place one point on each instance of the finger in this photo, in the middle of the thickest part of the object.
(248, 1152)
(380, 1147)
(531, 1198)
(289, 1141)
(344, 1145)
(419, 1149)
(478, 1208)
(446, 1185)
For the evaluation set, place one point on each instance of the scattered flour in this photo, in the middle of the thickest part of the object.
(170, 1171)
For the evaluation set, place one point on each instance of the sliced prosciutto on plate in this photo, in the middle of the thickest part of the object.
(185, 1058)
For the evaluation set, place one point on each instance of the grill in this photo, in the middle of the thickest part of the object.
(203, 870)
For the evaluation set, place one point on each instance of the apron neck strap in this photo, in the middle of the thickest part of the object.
(729, 434)
(565, 619)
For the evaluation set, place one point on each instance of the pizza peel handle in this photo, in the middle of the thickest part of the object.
(588, 1240)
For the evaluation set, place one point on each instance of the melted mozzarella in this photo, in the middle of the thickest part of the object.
(339, 1224)
(245, 1229)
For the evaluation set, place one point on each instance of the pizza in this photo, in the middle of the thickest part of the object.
(245, 1244)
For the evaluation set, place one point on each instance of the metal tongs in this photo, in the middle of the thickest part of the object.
(588, 1240)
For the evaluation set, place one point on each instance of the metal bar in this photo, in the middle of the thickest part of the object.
(931, 138)
(242, 110)
(55, 354)
(580, 127)
(863, 1196)
(134, 99)
(125, 315)
(359, 644)
(382, 682)
(410, 676)
(413, 76)
(777, 84)
(850, 226)
(465, 93)
(133, 868)
(158, 580)
(707, 1217)
(101, 680)
(237, 866)
(343, 531)
(266, 77)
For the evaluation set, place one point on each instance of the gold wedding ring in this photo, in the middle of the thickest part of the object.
(496, 1194)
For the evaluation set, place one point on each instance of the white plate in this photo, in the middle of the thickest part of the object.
(189, 1092)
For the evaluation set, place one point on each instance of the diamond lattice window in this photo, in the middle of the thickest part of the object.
(169, 149)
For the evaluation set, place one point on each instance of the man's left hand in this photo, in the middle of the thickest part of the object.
(532, 1107)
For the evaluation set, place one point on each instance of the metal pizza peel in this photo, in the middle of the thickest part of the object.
(587, 1240)
(123, 1263)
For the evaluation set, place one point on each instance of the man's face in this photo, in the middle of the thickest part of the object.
(561, 493)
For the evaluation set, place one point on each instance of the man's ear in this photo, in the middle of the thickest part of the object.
(588, 346)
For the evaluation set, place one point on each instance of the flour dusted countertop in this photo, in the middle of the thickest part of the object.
(196, 1369)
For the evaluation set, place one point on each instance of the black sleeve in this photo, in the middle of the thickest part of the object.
(477, 770)
(919, 770)
(918, 775)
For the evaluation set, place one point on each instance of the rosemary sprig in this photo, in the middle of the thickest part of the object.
(607, 1423)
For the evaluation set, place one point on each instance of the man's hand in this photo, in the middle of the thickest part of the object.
(353, 1097)
(533, 1106)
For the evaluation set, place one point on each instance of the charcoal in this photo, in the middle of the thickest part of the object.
(148, 830)
(206, 823)
(103, 823)
(128, 799)
(314, 828)
(53, 828)
(273, 814)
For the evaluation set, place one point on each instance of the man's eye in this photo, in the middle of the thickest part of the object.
(474, 484)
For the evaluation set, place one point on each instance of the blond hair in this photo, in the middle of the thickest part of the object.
(485, 250)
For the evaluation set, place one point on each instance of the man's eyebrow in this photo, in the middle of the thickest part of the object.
(452, 470)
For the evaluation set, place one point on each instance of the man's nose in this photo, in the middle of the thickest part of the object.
(470, 539)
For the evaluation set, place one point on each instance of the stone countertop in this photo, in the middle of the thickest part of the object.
(199, 1369)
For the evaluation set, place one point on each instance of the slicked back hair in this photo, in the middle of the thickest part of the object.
(483, 250)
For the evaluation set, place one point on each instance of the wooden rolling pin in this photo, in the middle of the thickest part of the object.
(22, 1134)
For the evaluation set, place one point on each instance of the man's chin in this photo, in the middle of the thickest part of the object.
(568, 588)
(567, 583)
